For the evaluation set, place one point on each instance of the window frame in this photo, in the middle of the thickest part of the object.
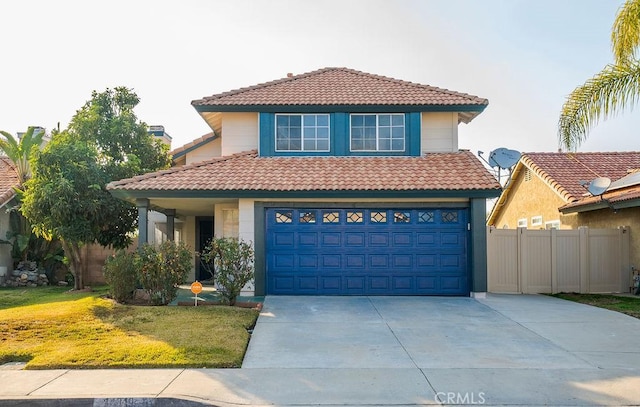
(522, 222)
(536, 220)
(552, 224)
(378, 138)
(302, 135)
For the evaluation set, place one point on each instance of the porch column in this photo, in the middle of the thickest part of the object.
(143, 221)
(171, 216)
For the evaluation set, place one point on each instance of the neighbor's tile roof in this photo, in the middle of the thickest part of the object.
(248, 172)
(339, 86)
(610, 197)
(564, 171)
(8, 180)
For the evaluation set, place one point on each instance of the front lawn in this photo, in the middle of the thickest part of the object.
(626, 305)
(51, 329)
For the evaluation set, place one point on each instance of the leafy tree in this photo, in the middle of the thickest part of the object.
(67, 196)
(611, 90)
(19, 150)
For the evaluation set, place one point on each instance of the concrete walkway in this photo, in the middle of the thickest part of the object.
(502, 350)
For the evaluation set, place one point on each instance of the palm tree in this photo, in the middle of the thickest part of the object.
(19, 149)
(611, 90)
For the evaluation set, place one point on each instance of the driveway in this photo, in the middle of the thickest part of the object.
(505, 349)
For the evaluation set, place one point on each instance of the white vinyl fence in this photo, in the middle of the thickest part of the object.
(551, 261)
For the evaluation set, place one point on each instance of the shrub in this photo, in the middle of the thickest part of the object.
(162, 269)
(233, 265)
(120, 272)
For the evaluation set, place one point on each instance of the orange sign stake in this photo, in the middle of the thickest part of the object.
(196, 288)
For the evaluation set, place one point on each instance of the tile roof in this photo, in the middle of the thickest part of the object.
(340, 87)
(8, 180)
(248, 172)
(608, 199)
(564, 171)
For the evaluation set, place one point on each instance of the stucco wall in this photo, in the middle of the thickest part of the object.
(439, 132)
(206, 152)
(240, 132)
(527, 199)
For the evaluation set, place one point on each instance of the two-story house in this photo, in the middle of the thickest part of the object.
(347, 183)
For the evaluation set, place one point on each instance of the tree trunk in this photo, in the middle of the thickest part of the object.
(72, 251)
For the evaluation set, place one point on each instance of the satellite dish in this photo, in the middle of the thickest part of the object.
(598, 186)
(504, 158)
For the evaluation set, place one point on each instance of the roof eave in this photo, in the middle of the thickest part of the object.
(602, 204)
(328, 108)
(437, 193)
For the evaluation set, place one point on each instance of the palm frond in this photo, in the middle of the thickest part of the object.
(625, 34)
(615, 88)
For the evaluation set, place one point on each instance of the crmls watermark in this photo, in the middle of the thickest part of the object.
(451, 397)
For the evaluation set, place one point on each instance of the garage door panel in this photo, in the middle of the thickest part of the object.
(402, 239)
(354, 239)
(379, 283)
(426, 239)
(367, 251)
(379, 261)
(307, 239)
(308, 261)
(403, 283)
(380, 239)
(284, 239)
(354, 261)
(331, 239)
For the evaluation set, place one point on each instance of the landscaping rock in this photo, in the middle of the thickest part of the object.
(63, 283)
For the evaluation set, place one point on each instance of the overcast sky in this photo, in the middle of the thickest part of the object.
(524, 56)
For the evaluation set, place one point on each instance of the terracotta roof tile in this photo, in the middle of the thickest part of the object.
(339, 86)
(564, 171)
(248, 172)
(8, 180)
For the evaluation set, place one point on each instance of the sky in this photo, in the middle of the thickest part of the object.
(525, 57)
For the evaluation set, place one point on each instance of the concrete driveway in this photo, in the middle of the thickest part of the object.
(505, 349)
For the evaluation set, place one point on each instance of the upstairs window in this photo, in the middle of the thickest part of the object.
(377, 132)
(302, 132)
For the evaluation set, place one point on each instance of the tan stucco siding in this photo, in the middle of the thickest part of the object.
(439, 132)
(240, 132)
(527, 199)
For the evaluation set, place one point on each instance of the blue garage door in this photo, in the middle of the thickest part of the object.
(367, 251)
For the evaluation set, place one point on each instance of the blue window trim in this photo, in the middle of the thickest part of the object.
(339, 137)
(302, 135)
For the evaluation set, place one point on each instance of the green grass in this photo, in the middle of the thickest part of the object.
(51, 329)
(626, 305)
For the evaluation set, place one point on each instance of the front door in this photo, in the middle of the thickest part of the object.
(204, 234)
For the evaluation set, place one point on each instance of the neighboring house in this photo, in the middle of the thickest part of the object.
(8, 181)
(549, 190)
(347, 183)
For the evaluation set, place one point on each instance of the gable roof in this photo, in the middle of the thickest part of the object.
(247, 174)
(335, 87)
(563, 172)
(8, 180)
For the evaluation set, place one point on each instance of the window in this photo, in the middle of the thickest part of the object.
(377, 132)
(554, 224)
(302, 132)
(522, 223)
(536, 221)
